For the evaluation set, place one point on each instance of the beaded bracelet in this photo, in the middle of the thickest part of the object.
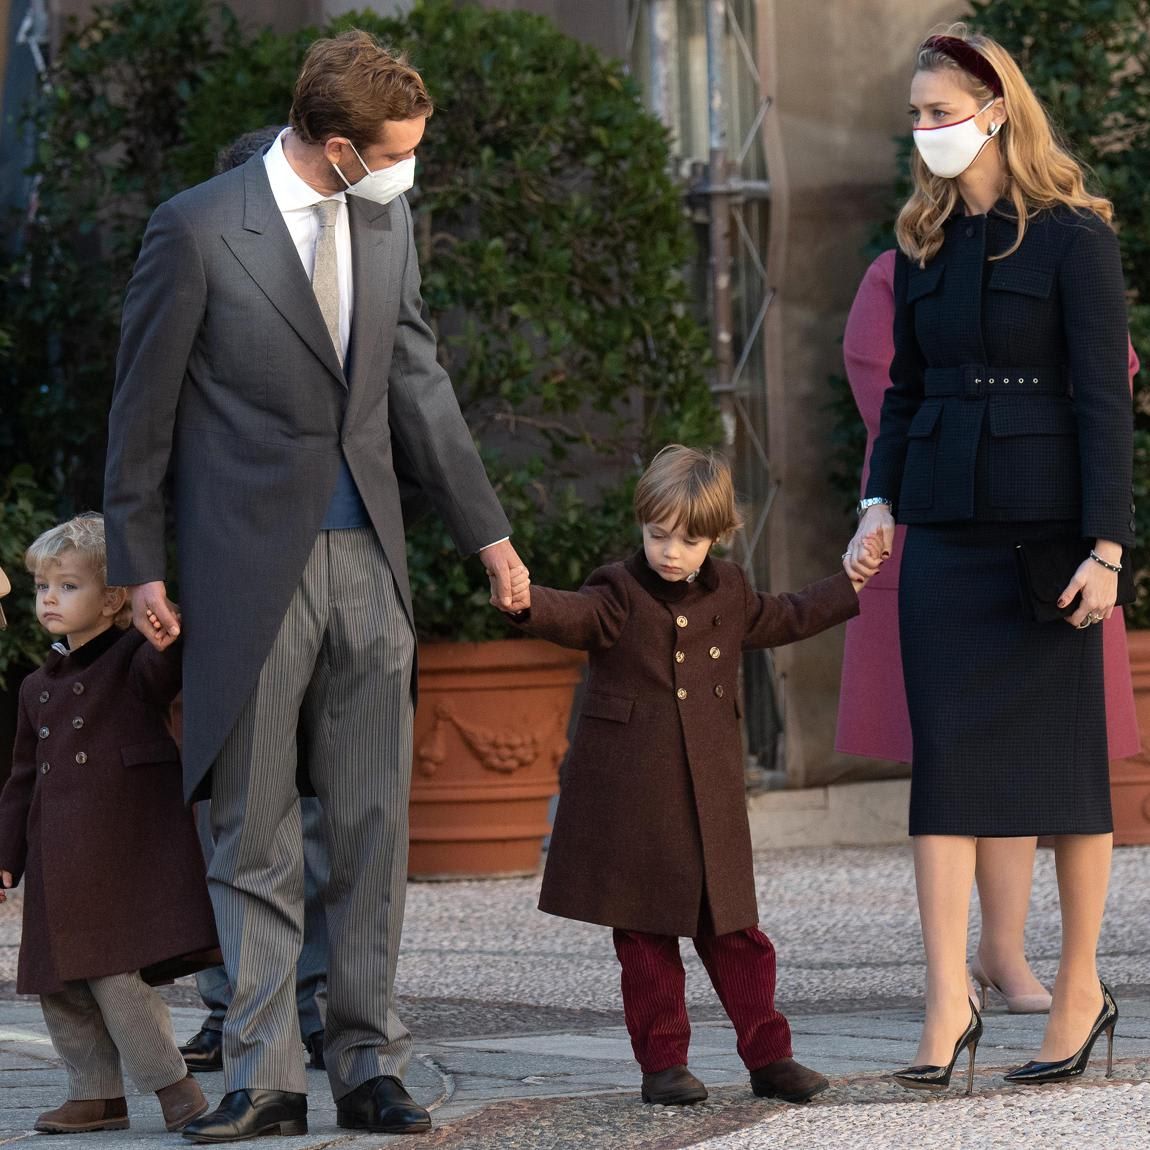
(1115, 567)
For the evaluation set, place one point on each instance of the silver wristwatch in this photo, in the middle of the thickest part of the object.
(873, 501)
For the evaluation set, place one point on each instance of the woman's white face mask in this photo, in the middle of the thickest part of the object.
(950, 149)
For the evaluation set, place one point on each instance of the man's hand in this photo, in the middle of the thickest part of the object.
(154, 615)
(510, 580)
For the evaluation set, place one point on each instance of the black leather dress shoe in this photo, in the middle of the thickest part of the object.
(382, 1106)
(205, 1051)
(314, 1046)
(250, 1114)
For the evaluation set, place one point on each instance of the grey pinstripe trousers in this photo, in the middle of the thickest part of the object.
(96, 1024)
(339, 675)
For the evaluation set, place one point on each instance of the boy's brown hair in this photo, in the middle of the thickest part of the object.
(689, 488)
(349, 86)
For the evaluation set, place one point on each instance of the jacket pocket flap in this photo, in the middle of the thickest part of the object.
(922, 281)
(140, 754)
(1025, 281)
(924, 419)
(596, 705)
(1034, 416)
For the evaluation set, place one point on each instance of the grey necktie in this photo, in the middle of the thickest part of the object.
(325, 276)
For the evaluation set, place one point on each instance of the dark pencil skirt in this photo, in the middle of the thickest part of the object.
(1008, 716)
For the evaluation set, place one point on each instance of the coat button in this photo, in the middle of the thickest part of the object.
(77, 688)
(717, 621)
(44, 732)
(77, 722)
(44, 696)
(679, 656)
(969, 230)
(681, 621)
(714, 652)
(45, 768)
(682, 692)
(81, 758)
(719, 691)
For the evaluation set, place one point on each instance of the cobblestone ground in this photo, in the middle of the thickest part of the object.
(518, 1023)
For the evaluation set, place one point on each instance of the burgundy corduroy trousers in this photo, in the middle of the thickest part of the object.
(741, 966)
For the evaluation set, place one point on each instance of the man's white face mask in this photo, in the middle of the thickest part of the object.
(384, 185)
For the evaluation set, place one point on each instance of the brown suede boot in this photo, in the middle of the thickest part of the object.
(675, 1086)
(788, 1080)
(181, 1102)
(80, 1115)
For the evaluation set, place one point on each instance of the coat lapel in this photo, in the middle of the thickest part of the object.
(264, 246)
(371, 239)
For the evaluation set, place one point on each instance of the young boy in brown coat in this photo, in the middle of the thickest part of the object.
(93, 819)
(651, 835)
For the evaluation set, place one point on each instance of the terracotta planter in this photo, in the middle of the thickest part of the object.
(1130, 778)
(490, 732)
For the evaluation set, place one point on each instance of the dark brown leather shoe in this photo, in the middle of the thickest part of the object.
(244, 1114)
(382, 1106)
(80, 1116)
(181, 1102)
(314, 1046)
(204, 1051)
(787, 1080)
(676, 1086)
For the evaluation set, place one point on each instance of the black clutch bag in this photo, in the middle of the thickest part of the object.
(1046, 566)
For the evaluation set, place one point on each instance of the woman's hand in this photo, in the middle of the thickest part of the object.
(1099, 589)
(878, 522)
(870, 560)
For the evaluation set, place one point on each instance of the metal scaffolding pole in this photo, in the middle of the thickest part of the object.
(663, 60)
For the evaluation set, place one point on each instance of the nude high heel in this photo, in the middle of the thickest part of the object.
(1015, 1003)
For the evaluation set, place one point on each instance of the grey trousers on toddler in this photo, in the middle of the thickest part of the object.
(98, 1024)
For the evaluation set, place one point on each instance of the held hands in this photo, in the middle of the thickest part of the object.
(154, 615)
(6, 879)
(870, 559)
(510, 579)
(870, 546)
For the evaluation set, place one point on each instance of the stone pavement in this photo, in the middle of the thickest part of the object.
(520, 1042)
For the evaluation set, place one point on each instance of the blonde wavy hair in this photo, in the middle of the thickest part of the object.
(1041, 172)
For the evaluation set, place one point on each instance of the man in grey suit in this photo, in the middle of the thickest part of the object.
(276, 360)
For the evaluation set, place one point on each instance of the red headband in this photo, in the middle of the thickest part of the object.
(968, 58)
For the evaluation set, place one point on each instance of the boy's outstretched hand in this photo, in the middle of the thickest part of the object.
(869, 561)
(155, 616)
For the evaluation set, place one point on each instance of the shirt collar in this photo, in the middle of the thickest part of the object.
(84, 655)
(290, 190)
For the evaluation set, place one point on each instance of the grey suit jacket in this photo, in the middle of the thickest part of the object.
(227, 377)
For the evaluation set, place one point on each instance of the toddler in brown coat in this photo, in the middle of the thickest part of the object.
(651, 835)
(94, 802)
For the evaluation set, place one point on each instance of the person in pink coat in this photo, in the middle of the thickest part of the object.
(873, 720)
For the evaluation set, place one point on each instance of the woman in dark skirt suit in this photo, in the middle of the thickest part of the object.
(1008, 421)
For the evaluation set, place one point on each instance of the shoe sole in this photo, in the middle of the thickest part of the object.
(686, 1099)
(284, 1129)
(82, 1128)
(371, 1128)
(180, 1123)
(203, 1067)
(793, 1099)
(909, 1084)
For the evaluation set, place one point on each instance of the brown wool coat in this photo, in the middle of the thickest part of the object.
(94, 821)
(652, 826)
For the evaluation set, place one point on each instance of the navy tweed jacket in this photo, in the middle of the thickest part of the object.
(1010, 396)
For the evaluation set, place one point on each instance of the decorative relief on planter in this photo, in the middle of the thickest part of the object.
(502, 751)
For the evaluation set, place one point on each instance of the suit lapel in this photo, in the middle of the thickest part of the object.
(265, 248)
(371, 239)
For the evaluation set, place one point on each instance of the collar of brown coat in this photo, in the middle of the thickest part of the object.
(654, 584)
(86, 655)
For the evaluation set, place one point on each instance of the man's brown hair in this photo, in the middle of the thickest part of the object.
(349, 86)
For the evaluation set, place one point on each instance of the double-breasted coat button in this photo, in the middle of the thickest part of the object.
(81, 758)
(679, 656)
(77, 722)
(77, 688)
(681, 621)
(682, 692)
(44, 732)
(714, 652)
(44, 768)
(44, 696)
(719, 691)
(717, 621)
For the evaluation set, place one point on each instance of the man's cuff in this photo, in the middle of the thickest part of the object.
(495, 543)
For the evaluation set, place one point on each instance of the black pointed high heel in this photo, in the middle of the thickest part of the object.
(1034, 1073)
(938, 1077)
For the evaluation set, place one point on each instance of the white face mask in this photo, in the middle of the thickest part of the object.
(384, 185)
(950, 149)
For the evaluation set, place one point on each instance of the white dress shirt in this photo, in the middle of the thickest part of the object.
(296, 201)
